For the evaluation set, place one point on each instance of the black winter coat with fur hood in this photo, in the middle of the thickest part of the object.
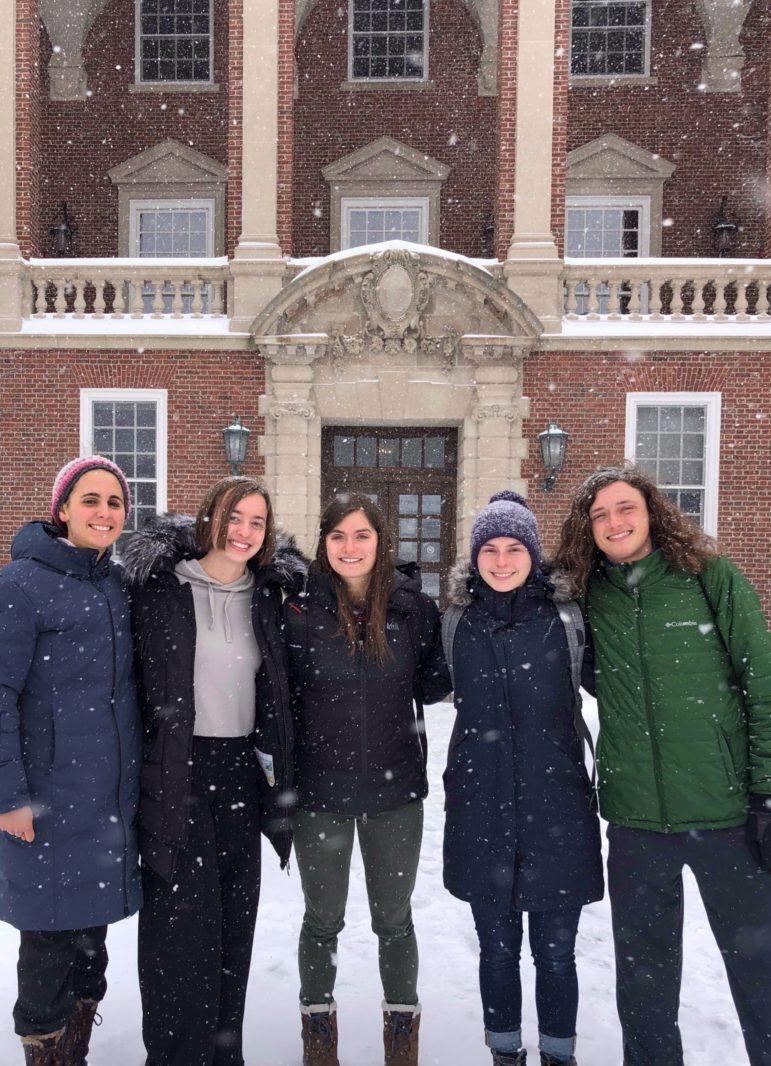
(163, 624)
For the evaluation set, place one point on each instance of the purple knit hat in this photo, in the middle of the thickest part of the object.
(506, 515)
(65, 481)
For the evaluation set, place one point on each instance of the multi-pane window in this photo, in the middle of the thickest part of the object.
(603, 231)
(673, 437)
(174, 40)
(609, 38)
(388, 38)
(371, 221)
(129, 427)
(172, 229)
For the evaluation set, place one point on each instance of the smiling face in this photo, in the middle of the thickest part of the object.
(620, 523)
(351, 548)
(504, 563)
(95, 511)
(245, 528)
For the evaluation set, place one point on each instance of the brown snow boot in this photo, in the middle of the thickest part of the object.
(43, 1050)
(400, 1034)
(320, 1036)
(510, 1058)
(77, 1035)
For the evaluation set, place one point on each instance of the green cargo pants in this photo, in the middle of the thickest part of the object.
(390, 848)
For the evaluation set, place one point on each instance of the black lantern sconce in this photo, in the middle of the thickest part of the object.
(236, 438)
(724, 230)
(553, 441)
(63, 233)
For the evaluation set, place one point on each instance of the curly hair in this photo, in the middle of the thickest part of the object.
(683, 545)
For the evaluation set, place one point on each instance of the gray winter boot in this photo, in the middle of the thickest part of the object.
(510, 1058)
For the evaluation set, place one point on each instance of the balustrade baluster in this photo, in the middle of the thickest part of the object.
(217, 298)
(740, 308)
(158, 302)
(635, 298)
(614, 299)
(99, 300)
(697, 305)
(79, 303)
(177, 303)
(119, 299)
(60, 297)
(592, 298)
(655, 298)
(197, 306)
(764, 299)
(721, 298)
(676, 307)
(137, 300)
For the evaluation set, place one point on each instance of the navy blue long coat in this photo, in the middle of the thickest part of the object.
(520, 824)
(69, 737)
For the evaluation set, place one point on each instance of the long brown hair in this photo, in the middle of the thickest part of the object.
(211, 526)
(380, 580)
(683, 545)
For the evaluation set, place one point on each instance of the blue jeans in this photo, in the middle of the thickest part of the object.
(552, 936)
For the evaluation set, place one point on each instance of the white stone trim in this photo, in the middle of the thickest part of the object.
(712, 403)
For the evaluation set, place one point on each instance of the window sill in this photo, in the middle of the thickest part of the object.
(174, 87)
(612, 81)
(376, 85)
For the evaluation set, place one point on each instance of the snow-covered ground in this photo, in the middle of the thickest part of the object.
(451, 1029)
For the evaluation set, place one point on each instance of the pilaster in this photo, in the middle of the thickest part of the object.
(10, 258)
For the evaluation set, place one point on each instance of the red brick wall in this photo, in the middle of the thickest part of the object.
(508, 23)
(29, 93)
(83, 139)
(204, 390)
(450, 122)
(586, 393)
(234, 123)
(718, 142)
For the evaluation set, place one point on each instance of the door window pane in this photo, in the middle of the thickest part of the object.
(408, 504)
(432, 505)
(412, 451)
(435, 452)
(344, 451)
(366, 451)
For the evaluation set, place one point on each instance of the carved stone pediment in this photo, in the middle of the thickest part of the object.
(169, 163)
(610, 157)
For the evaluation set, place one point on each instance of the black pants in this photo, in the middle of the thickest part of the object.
(55, 971)
(646, 896)
(196, 932)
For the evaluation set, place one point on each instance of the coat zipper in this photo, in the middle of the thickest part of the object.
(363, 715)
(649, 714)
(120, 757)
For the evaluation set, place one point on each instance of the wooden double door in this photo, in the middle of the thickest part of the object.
(412, 476)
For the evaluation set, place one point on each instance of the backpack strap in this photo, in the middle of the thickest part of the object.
(450, 620)
(575, 632)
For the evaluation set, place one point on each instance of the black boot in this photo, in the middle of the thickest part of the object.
(509, 1058)
(548, 1060)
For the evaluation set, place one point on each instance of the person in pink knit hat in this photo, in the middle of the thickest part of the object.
(70, 753)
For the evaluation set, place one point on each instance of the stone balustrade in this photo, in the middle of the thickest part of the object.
(671, 290)
(125, 288)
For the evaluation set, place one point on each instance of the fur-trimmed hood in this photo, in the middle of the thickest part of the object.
(462, 574)
(166, 539)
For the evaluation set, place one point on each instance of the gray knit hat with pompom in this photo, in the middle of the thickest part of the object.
(506, 515)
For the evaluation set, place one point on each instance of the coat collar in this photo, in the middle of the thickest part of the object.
(463, 579)
(643, 572)
(167, 539)
(42, 542)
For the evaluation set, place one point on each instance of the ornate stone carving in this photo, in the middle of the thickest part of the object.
(299, 349)
(395, 294)
(481, 349)
(509, 412)
(284, 408)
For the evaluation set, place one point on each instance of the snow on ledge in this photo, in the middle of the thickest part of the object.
(641, 328)
(50, 326)
(309, 263)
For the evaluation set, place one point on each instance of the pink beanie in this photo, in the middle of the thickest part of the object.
(65, 480)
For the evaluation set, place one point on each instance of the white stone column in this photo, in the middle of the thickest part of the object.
(10, 258)
(491, 446)
(292, 442)
(257, 265)
(724, 54)
(532, 268)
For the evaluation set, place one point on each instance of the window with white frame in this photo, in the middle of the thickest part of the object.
(174, 40)
(675, 438)
(129, 426)
(388, 39)
(369, 221)
(180, 229)
(603, 228)
(609, 38)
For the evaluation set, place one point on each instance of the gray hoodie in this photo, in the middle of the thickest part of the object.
(227, 657)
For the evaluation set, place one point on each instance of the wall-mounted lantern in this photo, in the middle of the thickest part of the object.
(236, 438)
(62, 233)
(724, 231)
(553, 441)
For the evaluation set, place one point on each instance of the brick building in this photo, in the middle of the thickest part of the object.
(397, 237)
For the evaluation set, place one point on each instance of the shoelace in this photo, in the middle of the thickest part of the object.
(319, 1025)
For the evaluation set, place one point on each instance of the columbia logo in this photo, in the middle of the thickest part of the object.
(392, 625)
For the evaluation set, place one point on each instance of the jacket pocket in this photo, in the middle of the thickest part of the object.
(728, 763)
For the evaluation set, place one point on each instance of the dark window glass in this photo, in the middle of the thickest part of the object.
(388, 39)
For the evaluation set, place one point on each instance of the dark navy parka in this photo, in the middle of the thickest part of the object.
(520, 822)
(70, 741)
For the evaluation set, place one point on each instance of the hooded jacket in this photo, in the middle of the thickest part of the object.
(358, 747)
(164, 627)
(520, 822)
(70, 738)
(683, 679)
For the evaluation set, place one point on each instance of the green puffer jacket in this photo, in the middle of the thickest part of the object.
(683, 678)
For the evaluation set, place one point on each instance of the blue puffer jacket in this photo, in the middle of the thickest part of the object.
(520, 824)
(70, 740)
